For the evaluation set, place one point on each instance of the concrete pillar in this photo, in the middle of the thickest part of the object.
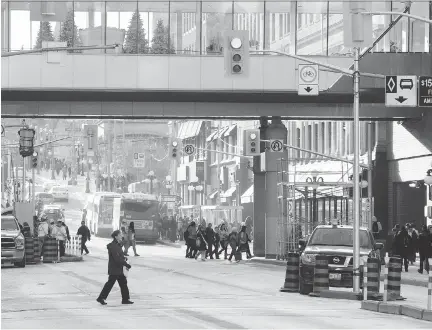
(259, 213)
(267, 30)
(276, 130)
(198, 24)
(293, 27)
(5, 27)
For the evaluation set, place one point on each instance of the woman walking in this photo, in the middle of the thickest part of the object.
(223, 233)
(116, 262)
(191, 239)
(244, 242)
(131, 240)
(233, 242)
(201, 243)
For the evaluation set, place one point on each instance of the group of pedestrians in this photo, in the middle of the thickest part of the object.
(206, 242)
(407, 242)
(53, 229)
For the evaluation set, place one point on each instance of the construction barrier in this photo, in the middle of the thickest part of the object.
(394, 277)
(37, 252)
(385, 296)
(73, 247)
(29, 250)
(321, 275)
(51, 250)
(292, 273)
(373, 277)
(429, 301)
(365, 280)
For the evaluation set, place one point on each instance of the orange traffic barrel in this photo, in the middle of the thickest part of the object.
(29, 250)
(50, 253)
(373, 276)
(291, 283)
(394, 277)
(321, 275)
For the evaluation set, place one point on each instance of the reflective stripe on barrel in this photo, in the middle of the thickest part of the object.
(37, 253)
(373, 275)
(429, 301)
(321, 274)
(292, 273)
(394, 276)
(29, 250)
(50, 250)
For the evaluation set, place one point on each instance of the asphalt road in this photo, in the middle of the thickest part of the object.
(171, 292)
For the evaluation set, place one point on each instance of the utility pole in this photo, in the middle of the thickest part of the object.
(109, 155)
(370, 178)
(356, 179)
(23, 179)
(124, 153)
(33, 186)
(218, 145)
(115, 155)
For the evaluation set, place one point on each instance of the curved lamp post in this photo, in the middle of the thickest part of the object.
(168, 183)
(150, 178)
(314, 182)
(197, 186)
(428, 178)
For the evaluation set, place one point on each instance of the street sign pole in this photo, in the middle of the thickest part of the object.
(356, 187)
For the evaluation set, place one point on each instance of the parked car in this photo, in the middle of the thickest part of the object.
(48, 185)
(60, 193)
(53, 212)
(336, 242)
(12, 242)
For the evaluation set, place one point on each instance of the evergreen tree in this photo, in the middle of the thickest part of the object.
(69, 30)
(136, 36)
(160, 40)
(45, 33)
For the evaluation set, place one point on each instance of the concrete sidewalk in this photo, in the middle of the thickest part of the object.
(412, 277)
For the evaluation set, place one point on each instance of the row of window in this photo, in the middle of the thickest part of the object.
(139, 24)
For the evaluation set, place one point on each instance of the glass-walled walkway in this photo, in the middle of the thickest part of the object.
(196, 27)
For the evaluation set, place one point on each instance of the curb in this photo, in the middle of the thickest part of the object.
(407, 281)
(339, 295)
(175, 245)
(71, 259)
(396, 309)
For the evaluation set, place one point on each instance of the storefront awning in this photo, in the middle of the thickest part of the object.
(220, 208)
(248, 196)
(211, 136)
(229, 192)
(230, 130)
(189, 129)
(213, 194)
(187, 207)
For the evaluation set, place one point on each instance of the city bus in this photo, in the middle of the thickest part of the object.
(143, 210)
(103, 213)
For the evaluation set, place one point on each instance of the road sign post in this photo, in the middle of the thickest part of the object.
(139, 160)
(308, 79)
(401, 91)
(425, 92)
(189, 149)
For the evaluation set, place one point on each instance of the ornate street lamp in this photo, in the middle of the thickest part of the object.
(197, 186)
(168, 183)
(428, 178)
(26, 135)
(314, 182)
(150, 178)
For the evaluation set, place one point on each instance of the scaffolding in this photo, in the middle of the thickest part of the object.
(311, 194)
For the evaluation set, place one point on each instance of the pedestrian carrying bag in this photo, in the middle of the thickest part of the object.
(125, 271)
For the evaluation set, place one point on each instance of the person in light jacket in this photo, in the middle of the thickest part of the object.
(116, 262)
(59, 232)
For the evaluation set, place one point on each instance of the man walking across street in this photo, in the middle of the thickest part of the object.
(116, 262)
(85, 235)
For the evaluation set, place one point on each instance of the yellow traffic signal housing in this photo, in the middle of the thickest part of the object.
(252, 142)
(236, 53)
(175, 149)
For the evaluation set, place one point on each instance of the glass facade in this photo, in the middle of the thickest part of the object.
(197, 27)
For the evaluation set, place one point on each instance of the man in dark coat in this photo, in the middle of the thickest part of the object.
(402, 246)
(85, 235)
(425, 249)
(116, 262)
(210, 238)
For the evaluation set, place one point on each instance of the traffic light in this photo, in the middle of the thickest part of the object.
(35, 160)
(236, 53)
(251, 140)
(175, 147)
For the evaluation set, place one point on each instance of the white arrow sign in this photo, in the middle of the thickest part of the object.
(308, 79)
(401, 91)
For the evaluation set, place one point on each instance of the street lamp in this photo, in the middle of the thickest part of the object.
(168, 183)
(428, 178)
(314, 182)
(150, 178)
(197, 186)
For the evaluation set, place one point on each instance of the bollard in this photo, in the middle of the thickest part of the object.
(429, 302)
(292, 273)
(365, 280)
(321, 275)
(51, 250)
(394, 277)
(373, 276)
(29, 250)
